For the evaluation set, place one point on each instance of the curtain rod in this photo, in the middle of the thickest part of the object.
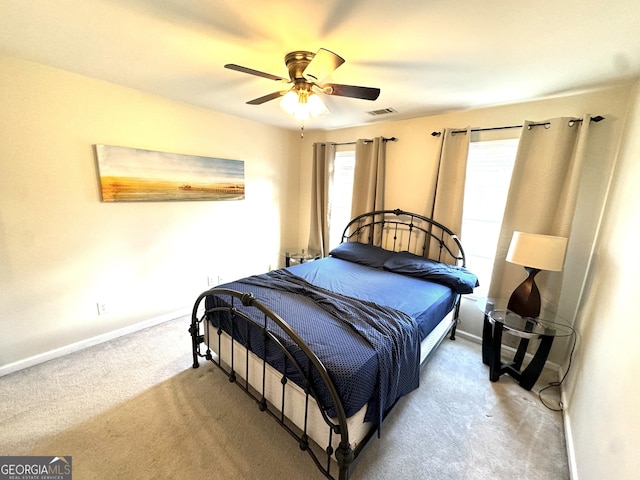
(367, 140)
(596, 119)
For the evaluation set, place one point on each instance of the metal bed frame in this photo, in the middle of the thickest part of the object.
(395, 230)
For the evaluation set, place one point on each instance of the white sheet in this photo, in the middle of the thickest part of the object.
(295, 397)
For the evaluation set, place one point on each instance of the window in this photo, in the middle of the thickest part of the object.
(341, 193)
(489, 168)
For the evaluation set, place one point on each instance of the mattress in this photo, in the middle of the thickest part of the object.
(296, 412)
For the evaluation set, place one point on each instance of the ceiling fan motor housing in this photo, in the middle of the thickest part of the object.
(296, 63)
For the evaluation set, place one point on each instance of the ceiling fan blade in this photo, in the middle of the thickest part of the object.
(322, 65)
(266, 98)
(251, 71)
(364, 93)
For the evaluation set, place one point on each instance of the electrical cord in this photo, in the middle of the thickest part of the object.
(559, 383)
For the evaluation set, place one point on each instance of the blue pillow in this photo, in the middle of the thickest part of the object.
(361, 253)
(459, 279)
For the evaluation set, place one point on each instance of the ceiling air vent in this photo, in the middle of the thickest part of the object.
(382, 111)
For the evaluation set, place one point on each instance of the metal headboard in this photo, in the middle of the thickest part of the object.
(398, 230)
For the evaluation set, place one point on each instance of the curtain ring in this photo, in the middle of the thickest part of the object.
(546, 125)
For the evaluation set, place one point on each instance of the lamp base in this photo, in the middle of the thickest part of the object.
(525, 299)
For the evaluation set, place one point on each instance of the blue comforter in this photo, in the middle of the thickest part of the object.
(392, 334)
(372, 352)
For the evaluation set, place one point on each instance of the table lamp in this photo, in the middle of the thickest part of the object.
(535, 252)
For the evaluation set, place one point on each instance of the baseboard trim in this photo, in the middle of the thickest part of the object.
(89, 342)
(469, 336)
(568, 435)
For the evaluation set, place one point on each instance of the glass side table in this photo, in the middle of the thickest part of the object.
(294, 258)
(499, 322)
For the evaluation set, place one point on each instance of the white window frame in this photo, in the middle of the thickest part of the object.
(341, 193)
(489, 169)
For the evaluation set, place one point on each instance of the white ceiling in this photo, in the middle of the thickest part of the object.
(427, 56)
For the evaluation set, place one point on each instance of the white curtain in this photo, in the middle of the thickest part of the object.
(368, 178)
(448, 193)
(542, 197)
(324, 155)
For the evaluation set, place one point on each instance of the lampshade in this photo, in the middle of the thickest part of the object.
(543, 252)
(303, 104)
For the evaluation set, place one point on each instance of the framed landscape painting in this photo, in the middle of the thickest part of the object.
(135, 175)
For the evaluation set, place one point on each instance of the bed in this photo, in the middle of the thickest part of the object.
(328, 347)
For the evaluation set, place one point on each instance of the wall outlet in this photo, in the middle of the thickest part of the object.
(103, 308)
(213, 280)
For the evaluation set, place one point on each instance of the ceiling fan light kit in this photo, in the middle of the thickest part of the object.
(303, 104)
(305, 69)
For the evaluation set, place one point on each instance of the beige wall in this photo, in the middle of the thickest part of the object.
(411, 164)
(603, 393)
(62, 250)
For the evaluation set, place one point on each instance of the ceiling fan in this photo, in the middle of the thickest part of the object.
(306, 71)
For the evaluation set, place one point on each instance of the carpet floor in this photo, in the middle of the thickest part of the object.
(133, 408)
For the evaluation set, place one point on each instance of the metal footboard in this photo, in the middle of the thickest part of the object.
(311, 370)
